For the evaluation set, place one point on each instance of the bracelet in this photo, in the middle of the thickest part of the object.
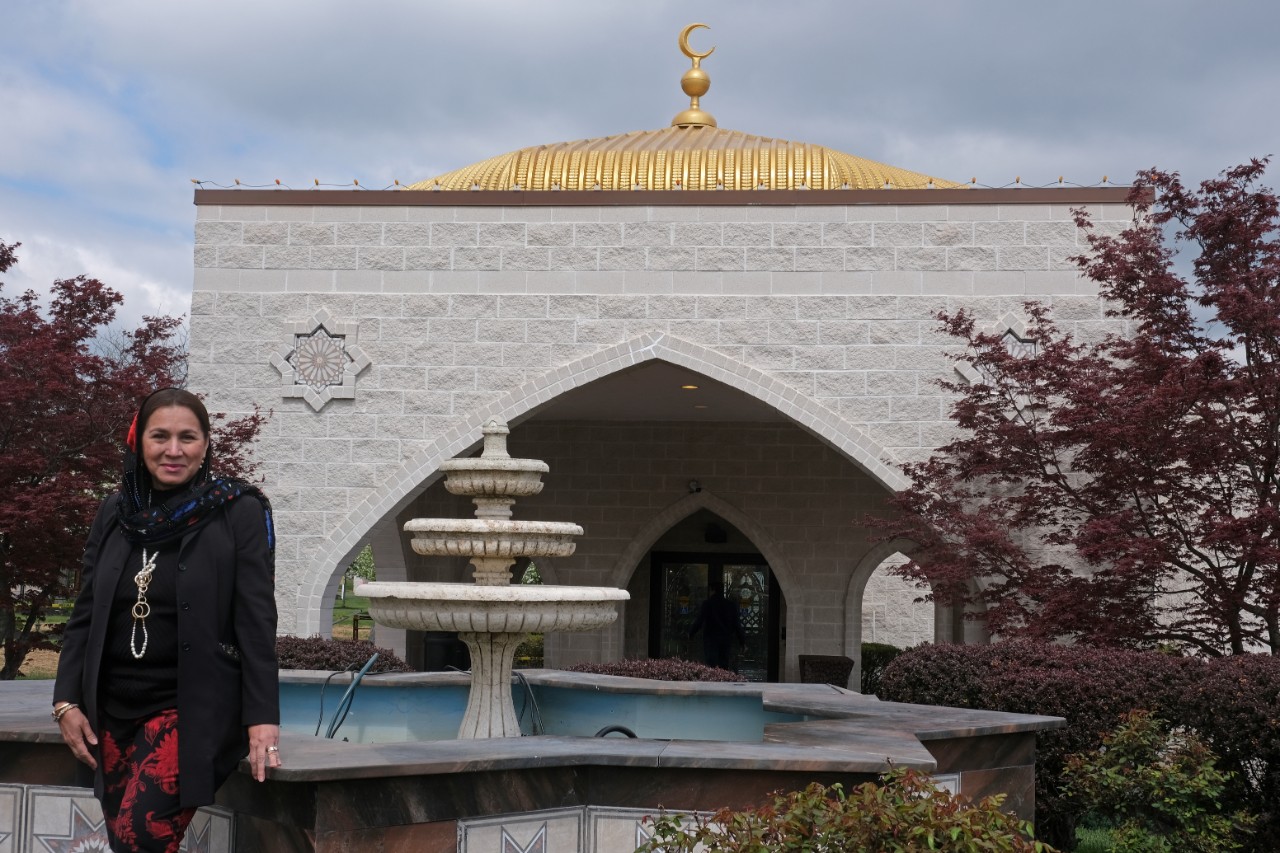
(59, 711)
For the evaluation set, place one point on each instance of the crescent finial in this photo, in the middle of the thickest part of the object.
(684, 42)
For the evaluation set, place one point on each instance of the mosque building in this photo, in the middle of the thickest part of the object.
(723, 345)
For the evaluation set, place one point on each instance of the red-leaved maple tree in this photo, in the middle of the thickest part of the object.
(1125, 491)
(66, 401)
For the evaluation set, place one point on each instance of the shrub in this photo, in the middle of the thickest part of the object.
(875, 657)
(1091, 688)
(907, 812)
(1156, 790)
(663, 669)
(1235, 707)
(334, 655)
(531, 653)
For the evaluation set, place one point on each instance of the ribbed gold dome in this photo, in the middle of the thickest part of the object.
(690, 158)
(692, 154)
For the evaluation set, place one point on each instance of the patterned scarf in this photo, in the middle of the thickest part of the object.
(186, 511)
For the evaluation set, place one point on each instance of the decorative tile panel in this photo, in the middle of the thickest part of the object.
(551, 831)
(611, 830)
(212, 830)
(10, 817)
(64, 820)
(46, 819)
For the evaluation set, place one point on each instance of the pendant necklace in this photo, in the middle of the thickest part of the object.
(141, 608)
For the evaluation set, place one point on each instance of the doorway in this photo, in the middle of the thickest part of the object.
(680, 582)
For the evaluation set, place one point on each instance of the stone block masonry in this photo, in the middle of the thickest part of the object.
(824, 312)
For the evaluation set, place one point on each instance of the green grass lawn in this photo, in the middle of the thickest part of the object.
(345, 613)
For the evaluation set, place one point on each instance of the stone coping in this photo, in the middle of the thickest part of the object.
(651, 198)
(506, 593)
(851, 733)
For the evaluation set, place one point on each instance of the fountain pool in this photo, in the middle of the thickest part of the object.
(401, 707)
(587, 794)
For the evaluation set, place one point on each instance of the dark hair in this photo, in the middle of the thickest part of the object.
(167, 397)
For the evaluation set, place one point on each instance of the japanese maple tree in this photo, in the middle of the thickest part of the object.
(1124, 490)
(65, 404)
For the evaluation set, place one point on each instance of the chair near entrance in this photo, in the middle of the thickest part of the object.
(826, 669)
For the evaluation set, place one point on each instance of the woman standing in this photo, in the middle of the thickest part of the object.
(167, 675)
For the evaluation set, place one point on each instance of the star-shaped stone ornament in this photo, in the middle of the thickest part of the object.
(321, 362)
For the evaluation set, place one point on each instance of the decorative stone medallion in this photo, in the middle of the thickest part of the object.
(1013, 337)
(321, 362)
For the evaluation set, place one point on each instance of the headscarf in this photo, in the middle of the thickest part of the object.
(190, 508)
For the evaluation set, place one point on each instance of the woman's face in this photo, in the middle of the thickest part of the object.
(173, 446)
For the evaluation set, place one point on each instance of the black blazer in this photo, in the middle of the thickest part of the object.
(227, 675)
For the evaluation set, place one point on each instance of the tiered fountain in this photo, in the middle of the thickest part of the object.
(492, 616)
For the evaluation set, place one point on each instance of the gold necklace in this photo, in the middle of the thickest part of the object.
(141, 608)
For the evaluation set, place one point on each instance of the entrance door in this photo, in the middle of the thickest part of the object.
(681, 582)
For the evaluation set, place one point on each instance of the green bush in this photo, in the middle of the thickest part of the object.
(531, 652)
(1230, 703)
(1156, 790)
(875, 657)
(907, 812)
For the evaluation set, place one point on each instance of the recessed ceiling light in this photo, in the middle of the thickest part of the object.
(699, 406)
(689, 387)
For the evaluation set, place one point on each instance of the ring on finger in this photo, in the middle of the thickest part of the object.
(272, 749)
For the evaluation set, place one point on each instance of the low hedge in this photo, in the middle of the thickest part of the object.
(875, 657)
(331, 655)
(1232, 703)
(664, 669)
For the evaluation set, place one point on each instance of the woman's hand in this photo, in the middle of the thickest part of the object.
(264, 749)
(79, 735)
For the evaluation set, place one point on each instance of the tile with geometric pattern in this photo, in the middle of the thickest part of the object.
(212, 830)
(11, 797)
(612, 830)
(63, 820)
(69, 820)
(550, 831)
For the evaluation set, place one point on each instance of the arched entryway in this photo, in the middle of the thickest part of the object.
(701, 555)
(636, 454)
(893, 612)
(612, 368)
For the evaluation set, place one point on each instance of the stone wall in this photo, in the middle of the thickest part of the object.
(825, 312)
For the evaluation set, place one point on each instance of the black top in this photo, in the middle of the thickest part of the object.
(136, 687)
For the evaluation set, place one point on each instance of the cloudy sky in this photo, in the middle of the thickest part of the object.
(108, 108)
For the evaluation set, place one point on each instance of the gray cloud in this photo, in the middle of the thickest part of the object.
(111, 107)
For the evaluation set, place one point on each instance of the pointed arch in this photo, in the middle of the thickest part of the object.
(862, 573)
(320, 584)
(622, 569)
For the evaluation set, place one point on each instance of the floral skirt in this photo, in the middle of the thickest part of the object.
(140, 783)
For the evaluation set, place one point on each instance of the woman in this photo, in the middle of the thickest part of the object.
(168, 670)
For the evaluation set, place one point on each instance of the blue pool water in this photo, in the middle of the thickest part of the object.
(392, 709)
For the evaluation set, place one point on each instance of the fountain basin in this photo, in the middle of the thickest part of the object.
(514, 609)
(491, 537)
(492, 620)
(489, 477)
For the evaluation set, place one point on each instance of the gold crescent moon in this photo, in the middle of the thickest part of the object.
(684, 42)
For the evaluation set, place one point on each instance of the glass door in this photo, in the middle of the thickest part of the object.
(682, 582)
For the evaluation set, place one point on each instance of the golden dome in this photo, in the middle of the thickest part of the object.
(692, 154)
(690, 158)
